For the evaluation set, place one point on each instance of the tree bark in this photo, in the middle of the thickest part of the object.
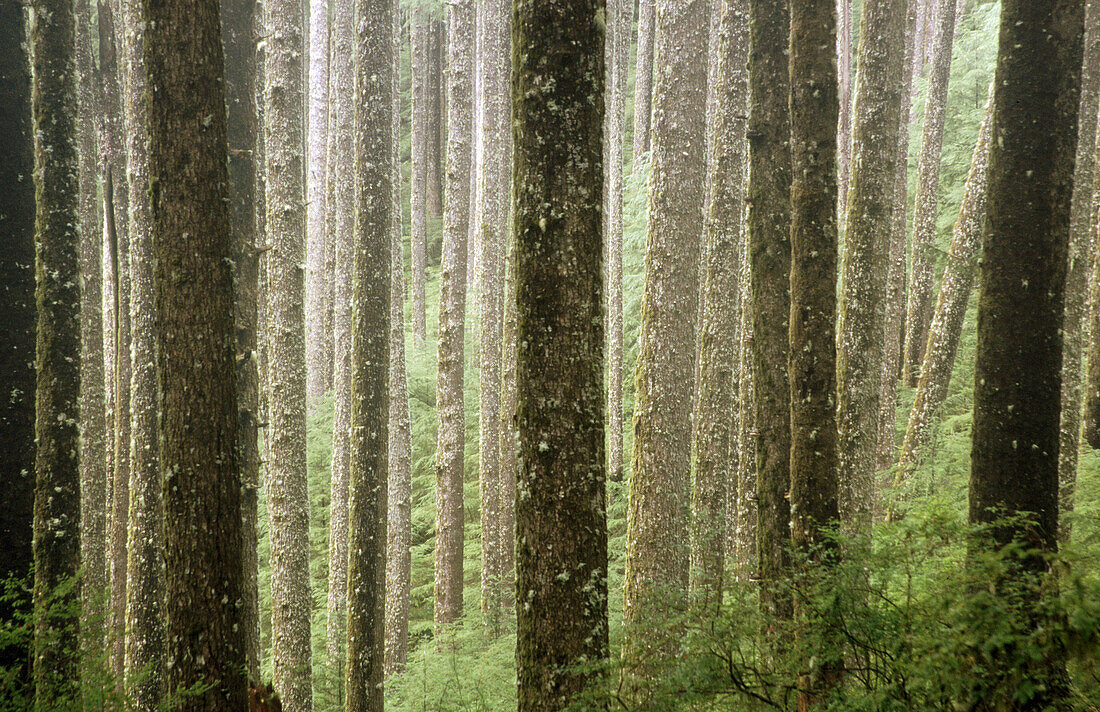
(557, 93)
(17, 356)
(370, 366)
(421, 155)
(744, 511)
(870, 209)
(716, 416)
(926, 203)
(318, 360)
(452, 317)
(844, 87)
(947, 322)
(1090, 426)
(1017, 394)
(769, 224)
(343, 48)
(643, 81)
(1080, 249)
(436, 117)
(508, 432)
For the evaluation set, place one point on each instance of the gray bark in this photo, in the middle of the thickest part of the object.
(643, 81)
(318, 359)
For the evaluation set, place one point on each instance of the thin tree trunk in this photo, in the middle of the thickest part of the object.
(1017, 394)
(56, 542)
(421, 155)
(318, 360)
(918, 311)
(844, 81)
(558, 129)
(494, 176)
(870, 210)
(436, 118)
(893, 333)
(643, 81)
(286, 483)
(370, 366)
(947, 322)
(716, 416)
(452, 317)
(770, 255)
(399, 516)
(1090, 426)
(1080, 249)
(745, 512)
(145, 643)
(17, 355)
(508, 432)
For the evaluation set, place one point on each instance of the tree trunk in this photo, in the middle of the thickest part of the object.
(1080, 249)
(145, 643)
(436, 118)
(643, 82)
(557, 94)
(844, 82)
(947, 322)
(287, 487)
(893, 333)
(421, 153)
(716, 416)
(744, 511)
(870, 210)
(343, 44)
(508, 433)
(56, 542)
(926, 203)
(399, 516)
(1017, 394)
(1090, 426)
(452, 317)
(17, 357)
(769, 224)
(318, 360)
(370, 366)
(494, 176)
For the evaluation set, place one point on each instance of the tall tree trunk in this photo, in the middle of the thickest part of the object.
(870, 210)
(452, 317)
(436, 138)
(716, 415)
(926, 203)
(421, 149)
(238, 18)
(894, 332)
(399, 508)
(947, 322)
(286, 483)
(318, 360)
(17, 356)
(1017, 394)
(769, 224)
(145, 643)
(93, 424)
(370, 367)
(844, 81)
(1077, 276)
(494, 176)
(1090, 426)
(56, 542)
(557, 93)
(643, 81)
(618, 41)
(508, 432)
(745, 513)
(343, 48)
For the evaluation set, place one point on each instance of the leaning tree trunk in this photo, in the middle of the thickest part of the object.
(17, 355)
(238, 19)
(893, 333)
(1017, 393)
(870, 211)
(918, 310)
(56, 542)
(494, 174)
(452, 316)
(717, 413)
(145, 643)
(370, 369)
(658, 520)
(1077, 275)
(318, 360)
(286, 477)
(557, 95)
(343, 44)
(643, 81)
(769, 225)
(420, 155)
(947, 322)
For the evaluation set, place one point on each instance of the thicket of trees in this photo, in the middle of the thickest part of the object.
(329, 326)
